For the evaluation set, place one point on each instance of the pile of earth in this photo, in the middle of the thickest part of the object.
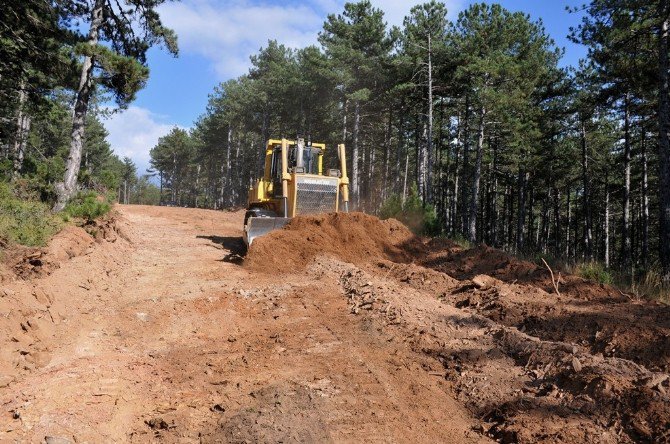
(71, 241)
(351, 237)
(518, 293)
(36, 287)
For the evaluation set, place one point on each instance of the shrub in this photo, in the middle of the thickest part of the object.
(594, 271)
(25, 222)
(462, 242)
(88, 205)
(651, 285)
(418, 218)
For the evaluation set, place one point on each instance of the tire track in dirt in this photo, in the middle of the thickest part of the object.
(173, 341)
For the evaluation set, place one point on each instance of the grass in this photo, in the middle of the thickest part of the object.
(594, 271)
(652, 286)
(24, 221)
(647, 284)
(462, 242)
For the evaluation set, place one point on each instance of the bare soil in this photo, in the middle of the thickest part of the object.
(154, 325)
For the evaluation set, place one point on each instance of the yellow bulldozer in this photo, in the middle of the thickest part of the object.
(293, 183)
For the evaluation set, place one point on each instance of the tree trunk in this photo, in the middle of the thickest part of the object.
(607, 221)
(240, 184)
(345, 107)
(404, 185)
(494, 195)
(466, 163)
(400, 148)
(67, 188)
(568, 224)
(387, 155)
(557, 221)
(23, 121)
(260, 166)
(457, 174)
(625, 225)
(371, 197)
(645, 202)
(522, 182)
(474, 202)
(421, 164)
(355, 180)
(225, 171)
(428, 154)
(588, 236)
(197, 185)
(664, 146)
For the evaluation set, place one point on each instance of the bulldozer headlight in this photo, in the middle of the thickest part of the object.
(334, 173)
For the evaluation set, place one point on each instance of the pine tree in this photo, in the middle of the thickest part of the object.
(114, 58)
(358, 46)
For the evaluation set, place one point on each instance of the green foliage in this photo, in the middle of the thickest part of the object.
(88, 205)
(594, 271)
(123, 75)
(145, 193)
(418, 218)
(462, 242)
(23, 221)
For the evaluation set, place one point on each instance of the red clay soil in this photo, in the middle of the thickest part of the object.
(596, 317)
(605, 360)
(148, 329)
(353, 237)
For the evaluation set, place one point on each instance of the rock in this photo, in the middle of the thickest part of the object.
(42, 297)
(218, 408)
(56, 440)
(484, 282)
(654, 381)
(41, 358)
(576, 365)
(157, 423)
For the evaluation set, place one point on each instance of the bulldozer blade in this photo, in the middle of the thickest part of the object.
(258, 226)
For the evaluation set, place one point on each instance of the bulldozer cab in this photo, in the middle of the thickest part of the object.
(300, 159)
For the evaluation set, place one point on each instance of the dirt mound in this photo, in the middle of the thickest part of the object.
(37, 285)
(351, 237)
(524, 389)
(597, 317)
(70, 242)
(484, 260)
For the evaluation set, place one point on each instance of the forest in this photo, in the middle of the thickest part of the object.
(475, 118)
(59, 83)
(473, 122)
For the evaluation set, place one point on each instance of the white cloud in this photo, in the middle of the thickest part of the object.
(134, 132)
(228, 32)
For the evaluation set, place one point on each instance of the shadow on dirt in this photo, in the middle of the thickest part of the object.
(235, 246)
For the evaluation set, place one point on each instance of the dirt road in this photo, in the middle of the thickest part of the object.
(158, 332)
(181, 343)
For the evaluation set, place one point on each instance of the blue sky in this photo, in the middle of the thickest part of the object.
(216, 38)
